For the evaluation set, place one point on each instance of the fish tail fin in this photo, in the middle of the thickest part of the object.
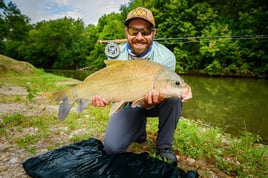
(65, 96)
(64, 108)
(82, 105)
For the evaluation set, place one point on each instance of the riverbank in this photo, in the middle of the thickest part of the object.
(29, 127)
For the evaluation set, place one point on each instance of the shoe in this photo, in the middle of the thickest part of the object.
(168, 155)
(141, 139)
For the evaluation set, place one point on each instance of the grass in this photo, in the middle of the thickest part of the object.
(36, 82)
(234, 156)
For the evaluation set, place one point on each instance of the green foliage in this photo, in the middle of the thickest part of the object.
(13, 120)
(31, 93)
(17, 24)
(188, 140)
(109, 27)
(220, 56)
(58, 44)
(67, 44)
(254, 52)
(14, 28)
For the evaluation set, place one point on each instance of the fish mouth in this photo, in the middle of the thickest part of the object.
(187, 94)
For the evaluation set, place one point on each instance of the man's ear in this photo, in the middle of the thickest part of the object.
(154, 32)
(126, 31)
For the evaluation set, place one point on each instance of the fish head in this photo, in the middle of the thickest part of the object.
(172, 85)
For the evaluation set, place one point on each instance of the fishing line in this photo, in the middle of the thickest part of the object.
(192, 39)
(210, 38)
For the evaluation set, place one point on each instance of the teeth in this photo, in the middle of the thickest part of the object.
(139, 44)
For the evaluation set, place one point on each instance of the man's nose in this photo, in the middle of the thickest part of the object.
(139, 35)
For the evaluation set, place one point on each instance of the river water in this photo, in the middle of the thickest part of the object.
(233, 104)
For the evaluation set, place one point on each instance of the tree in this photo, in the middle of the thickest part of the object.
(58, 44)
(14, 30)
(187, 25)
(254, 53)
(3, 27)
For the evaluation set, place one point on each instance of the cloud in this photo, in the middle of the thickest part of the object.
(87, 10)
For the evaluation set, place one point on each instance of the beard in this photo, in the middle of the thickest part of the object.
(139, 47)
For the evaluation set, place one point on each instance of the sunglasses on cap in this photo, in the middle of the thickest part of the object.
(144, 31)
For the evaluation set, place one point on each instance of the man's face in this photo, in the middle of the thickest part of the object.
(140, 35)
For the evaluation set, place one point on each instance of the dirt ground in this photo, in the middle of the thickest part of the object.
(11, 156)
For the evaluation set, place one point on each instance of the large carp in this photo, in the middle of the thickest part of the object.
(123, 81)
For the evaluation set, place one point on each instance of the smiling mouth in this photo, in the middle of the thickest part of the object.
(139, 44)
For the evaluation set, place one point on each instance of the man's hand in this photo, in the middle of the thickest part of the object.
(98, 101)
(152, 98)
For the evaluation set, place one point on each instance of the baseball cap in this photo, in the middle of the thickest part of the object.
(140, 13)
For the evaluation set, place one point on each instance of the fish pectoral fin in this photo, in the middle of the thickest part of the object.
(116, 107)
(64, 109)
(137, 102)
(82, 105)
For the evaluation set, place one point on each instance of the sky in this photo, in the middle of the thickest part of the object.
(87, 10)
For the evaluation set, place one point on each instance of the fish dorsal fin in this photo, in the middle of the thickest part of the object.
(112, 61)
(137, 102)
(116, 107)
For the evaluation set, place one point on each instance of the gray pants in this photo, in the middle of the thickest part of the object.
(129, 124)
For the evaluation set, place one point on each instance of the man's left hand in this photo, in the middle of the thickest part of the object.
(152, 98)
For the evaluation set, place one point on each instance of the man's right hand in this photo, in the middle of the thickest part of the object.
(98, 101)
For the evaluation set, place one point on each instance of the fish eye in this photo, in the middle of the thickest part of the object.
(177, 83)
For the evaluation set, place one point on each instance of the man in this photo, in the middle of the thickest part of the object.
(128, 125)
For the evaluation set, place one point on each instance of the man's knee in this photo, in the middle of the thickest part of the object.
(173, 102)
(113, 148)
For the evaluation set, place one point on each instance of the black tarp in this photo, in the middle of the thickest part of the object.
(87, 159)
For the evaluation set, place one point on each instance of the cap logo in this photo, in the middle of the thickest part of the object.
(139, 12)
